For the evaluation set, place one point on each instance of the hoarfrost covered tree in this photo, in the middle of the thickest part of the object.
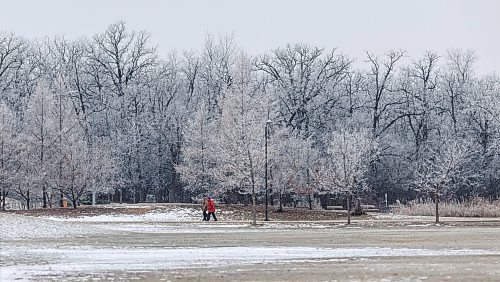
(67, 124)
(419, 86)
(309, 157)
(26, 176)
(134, 133)
(482, 111)
(90, 169)
(191, 69)
(104, 169)
(120, 62)
(40, 137)
(483, 128)
(13, 52)
(294, 161)
(241, 134)
(9, 152)
(198, 153)
(389, 108)
(151, 112)
(352, 98)
(167, 115)
(123, 55)
(305, 79)
(206, 75)
(280, 174)
(381, 90)
(86, 169)
(24, 73)
(348, 158)
(77, 169)
(444, 169)
(215, 73)
(457, 81)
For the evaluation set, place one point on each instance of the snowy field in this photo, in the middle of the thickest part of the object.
(174, 244)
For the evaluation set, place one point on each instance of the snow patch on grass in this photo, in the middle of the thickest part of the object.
(60, 263)
(22, 227)
(158, 215)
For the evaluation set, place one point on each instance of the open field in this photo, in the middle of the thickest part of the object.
(145, 246)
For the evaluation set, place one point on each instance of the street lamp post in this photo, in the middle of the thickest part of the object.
(267, 191)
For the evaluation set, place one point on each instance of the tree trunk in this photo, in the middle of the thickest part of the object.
(167, 194)
(28, 199)
(348, 209)
(44, 197)
(309, 199)
(134, 195)
(271, 195)
(74, 204)
(4, 195)
(281, 203)
(51, 198)
(436, 201)
(3, 199)
(254, 208)
(61, 199)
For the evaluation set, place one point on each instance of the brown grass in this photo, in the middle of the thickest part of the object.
(477, 207)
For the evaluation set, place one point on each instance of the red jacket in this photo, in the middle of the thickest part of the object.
(211, 205)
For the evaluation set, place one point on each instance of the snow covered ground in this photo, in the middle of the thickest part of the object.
(19, 227)
(158, 215)
(175, 240)
(58, 263)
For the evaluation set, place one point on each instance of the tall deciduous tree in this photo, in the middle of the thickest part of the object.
(294, 162)
(198, 153)
(444, 169)
(350, 153)
(9, 153)
(41, 137)
(305, 79)
(13, 51)
(383, 98)
(241, 134)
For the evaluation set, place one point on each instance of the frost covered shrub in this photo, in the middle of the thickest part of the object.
(477, 207)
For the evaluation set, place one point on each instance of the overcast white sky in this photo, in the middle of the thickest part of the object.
(354, 26)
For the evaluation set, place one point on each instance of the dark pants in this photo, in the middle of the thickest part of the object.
(213, 214)
(206, 216)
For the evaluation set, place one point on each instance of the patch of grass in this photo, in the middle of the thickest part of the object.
(477, 207)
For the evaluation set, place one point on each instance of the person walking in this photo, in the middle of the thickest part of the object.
(211, 208)
(204, 208)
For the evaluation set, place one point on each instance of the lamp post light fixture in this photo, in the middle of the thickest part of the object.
(268, 122)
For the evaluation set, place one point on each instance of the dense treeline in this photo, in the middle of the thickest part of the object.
(106, 115)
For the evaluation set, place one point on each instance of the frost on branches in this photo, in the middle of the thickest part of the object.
(9, 151)
(198, 153)
(294, 161)
(444, 170)
(108, 116)
(349, 156)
